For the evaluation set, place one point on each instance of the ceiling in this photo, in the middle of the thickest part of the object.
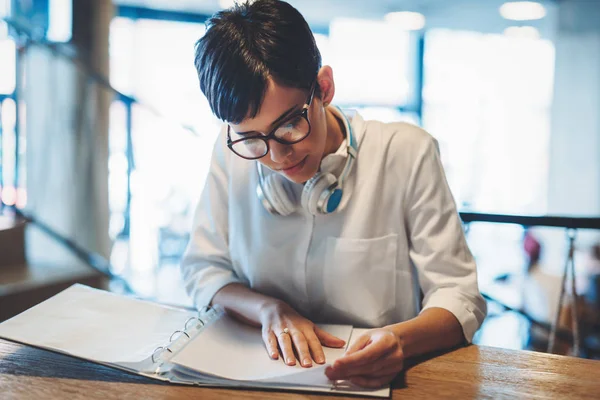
(321, 8)
(480, 15)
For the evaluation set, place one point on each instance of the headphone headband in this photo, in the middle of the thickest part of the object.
(351, 146)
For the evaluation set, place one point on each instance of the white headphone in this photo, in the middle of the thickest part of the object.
(322, 194)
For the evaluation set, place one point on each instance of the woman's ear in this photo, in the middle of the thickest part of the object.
(326, 84)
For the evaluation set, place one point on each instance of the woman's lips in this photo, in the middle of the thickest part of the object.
(295, 168)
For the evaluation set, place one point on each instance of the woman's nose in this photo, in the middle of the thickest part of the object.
(279, 152)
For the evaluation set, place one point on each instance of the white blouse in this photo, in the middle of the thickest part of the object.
(395, 247)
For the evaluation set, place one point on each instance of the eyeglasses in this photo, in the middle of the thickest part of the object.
(294, 129)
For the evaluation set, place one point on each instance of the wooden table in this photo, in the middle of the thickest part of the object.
(465, 373)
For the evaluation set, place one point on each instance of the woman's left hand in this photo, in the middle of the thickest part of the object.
(372, 361)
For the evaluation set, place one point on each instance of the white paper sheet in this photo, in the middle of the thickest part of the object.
(232, 350)
(96, 325)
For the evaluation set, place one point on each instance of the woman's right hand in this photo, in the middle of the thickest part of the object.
(303, 336)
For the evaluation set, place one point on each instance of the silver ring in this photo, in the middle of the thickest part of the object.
(284, 331)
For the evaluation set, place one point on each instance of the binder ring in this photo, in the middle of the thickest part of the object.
(205, 309)
(157, 349)
(192, 319)
(183, 332)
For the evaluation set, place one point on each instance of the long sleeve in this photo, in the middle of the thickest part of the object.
(206, 266)
(445, 266)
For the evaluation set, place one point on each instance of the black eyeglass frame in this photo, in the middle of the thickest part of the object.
(302, 113)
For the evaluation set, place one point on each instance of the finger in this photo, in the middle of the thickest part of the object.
(367, 355)
(359, 344)
(271, 343)
(315, 347)
(376, 369)
(287, 351)
(301, 348)
(373, 383)
(327, 339)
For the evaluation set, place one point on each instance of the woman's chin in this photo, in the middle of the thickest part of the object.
(301, 173)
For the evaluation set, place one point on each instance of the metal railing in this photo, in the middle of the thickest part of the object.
(526, 220)
(571, 225)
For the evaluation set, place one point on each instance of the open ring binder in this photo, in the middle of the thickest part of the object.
(209, 349)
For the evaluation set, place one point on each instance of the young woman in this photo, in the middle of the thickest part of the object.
(310, 214)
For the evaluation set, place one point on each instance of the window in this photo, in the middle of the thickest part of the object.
(152, 60)
(487, 100)
(7, 63)
(9, 195)
(387, 53)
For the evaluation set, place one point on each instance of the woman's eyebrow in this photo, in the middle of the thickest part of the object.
(284, 115)
(281, 117)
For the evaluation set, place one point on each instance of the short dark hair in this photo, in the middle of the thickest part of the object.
(248, 44)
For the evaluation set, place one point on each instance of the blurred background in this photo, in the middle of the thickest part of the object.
(105, 142)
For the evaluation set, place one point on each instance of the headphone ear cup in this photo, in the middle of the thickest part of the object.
(308, 186)
(314, 189)
(280, 194)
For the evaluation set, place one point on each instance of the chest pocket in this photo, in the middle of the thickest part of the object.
(360, 277)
